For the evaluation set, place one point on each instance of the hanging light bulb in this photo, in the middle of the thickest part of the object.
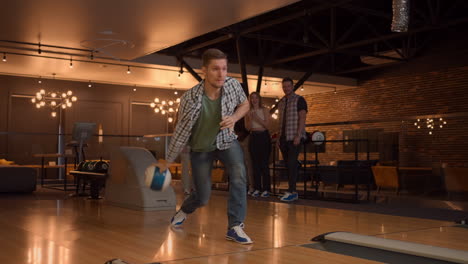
(175, 92)
(64, 106)
(128, 70)
(178, 100)
(42, 91)
(33, 100)
(74, 98)
(53, 95)
(156, 110)
(153, 105)
(54, 114)
(170, 119)
(4, 57)
(89, 84)
(69, 93)
(156, 100)
(53, 103)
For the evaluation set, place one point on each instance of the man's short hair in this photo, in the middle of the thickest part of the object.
(212, 54)
(287, 79)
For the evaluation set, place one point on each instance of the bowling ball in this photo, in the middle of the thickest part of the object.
(157, 180)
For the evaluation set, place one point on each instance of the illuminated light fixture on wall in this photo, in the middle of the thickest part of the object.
(128, 70)
(4, 57)
(430, 124)
(175, 89)
(164, 107)
(90, 84)
(71, 63)
(54, 100)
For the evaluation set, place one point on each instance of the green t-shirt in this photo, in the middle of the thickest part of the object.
(206, 128)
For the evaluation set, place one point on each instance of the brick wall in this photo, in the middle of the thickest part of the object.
(393, 103)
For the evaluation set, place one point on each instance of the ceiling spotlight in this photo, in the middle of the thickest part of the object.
(128, 70)
(181, 71)
(4, 57)
(90, 84)
(39, 81)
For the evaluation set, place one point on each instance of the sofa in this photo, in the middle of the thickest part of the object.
(15, 178)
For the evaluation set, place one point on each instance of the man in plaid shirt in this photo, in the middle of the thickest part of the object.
(207, 115)
(292, 115)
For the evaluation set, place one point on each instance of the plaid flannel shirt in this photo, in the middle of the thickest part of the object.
(232, 95)
(291, 115)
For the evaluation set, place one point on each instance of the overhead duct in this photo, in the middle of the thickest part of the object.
(400, 19)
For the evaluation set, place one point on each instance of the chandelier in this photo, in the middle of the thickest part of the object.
(166, 107)
(430, 124)
(54, 100)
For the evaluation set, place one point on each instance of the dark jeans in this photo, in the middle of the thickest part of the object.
(290, 154)
(202, 163)
(260, 148)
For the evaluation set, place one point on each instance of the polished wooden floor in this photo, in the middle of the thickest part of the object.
(39, 230)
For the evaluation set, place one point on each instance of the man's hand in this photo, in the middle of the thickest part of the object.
(162, 165)
(297, 140)
(227, 122)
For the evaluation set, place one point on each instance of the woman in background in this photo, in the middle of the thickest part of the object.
(257, 122)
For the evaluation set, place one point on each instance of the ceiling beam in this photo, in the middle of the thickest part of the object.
(207, 43)
(366, 68)
(283, 40)
(190, 70)
(369, 41)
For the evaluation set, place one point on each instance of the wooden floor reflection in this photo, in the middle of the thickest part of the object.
(77, 231)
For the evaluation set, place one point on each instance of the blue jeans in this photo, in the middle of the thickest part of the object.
(202, 163)
(290, 154)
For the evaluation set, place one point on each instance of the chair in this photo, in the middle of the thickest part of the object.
(126, 187)
(456, 179)
(386, 177)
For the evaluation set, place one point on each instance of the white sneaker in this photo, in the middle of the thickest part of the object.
(289, 197)
(238, 235)
(178, 218)
(256, 193)
(265, 194)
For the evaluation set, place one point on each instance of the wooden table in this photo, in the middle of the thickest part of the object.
(96, 182)
(44, 167)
